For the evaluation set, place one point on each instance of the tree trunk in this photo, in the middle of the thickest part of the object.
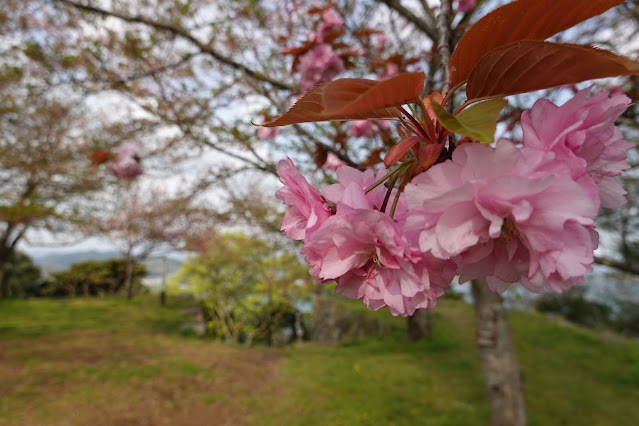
(128, 278)
(502, 378)
(5, 291)
(419, 325)
(163, 291)
(299, 329)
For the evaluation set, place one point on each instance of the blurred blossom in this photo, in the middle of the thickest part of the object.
(332, 162)
(267, 132)
(466, 6)
(319, 65)
(127, 163)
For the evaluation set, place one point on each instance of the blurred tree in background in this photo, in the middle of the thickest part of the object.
(249, 289)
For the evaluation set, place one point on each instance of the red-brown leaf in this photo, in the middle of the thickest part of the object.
(516, 21)
(526, 66)
(354, 99)
(99, 157)
(399, 150)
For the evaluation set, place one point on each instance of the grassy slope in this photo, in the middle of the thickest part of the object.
(116, 362)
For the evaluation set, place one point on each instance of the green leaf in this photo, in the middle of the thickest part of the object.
(478, 122)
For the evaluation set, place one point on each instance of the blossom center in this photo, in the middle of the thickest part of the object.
(508, 231)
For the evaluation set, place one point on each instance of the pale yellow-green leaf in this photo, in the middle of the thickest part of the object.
(478, 121)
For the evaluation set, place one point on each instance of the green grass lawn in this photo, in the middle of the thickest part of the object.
(112, 361)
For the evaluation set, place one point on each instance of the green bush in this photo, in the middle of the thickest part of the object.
(23, 276)
(92, 278)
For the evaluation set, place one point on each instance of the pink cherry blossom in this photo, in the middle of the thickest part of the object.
(391, 69)
(308, 209)
(350, 192)
(267, 132)
(498, 217)
(330, 21)
(465, 6)
(381, 41)
(127, 163)
(369, 257)
(332, 162)
(582, 133)
(319, 65)
(367, 128)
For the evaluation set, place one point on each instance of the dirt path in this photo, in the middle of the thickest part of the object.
(95, 378)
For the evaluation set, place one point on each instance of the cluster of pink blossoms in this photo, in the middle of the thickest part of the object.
(466, 6)
(126, 164)
(508, 213)
(368, 128)
(321, 64)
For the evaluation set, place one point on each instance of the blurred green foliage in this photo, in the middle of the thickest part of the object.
(248, 288)
(24, 278)
(92, 278)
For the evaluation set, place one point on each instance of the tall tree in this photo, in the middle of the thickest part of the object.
(147, 219)
(45, 176)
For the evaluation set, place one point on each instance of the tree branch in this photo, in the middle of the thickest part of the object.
(622, 266)
(423, 26)
(153, 72)
(180, 32)
(444, 42)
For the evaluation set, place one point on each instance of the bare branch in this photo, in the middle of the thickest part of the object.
(622, 266)
(180, 32)
(423, 26)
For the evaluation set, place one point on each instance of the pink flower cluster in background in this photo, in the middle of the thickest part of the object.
(127, 163)
(367, 128)
(465, 6)
(508, 213)
(319, 65)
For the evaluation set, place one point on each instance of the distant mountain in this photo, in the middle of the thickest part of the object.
(53, 262)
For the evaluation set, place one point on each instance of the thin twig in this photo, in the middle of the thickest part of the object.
(411, 17)
(183, 33)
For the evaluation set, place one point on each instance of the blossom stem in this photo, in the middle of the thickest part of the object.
(391, 186)
(418, 127)
(396, 201)
(387, 176)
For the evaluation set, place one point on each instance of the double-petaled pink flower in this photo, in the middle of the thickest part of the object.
(499, 218)
(308, 209)
(366, 252)
(582, 133)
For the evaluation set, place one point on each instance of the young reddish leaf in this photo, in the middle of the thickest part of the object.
(534, 65)
(354, 99)
(428, 153)
(478, 121)
(516, 21)
(399, 150)
(99, 157)
(433, 97)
